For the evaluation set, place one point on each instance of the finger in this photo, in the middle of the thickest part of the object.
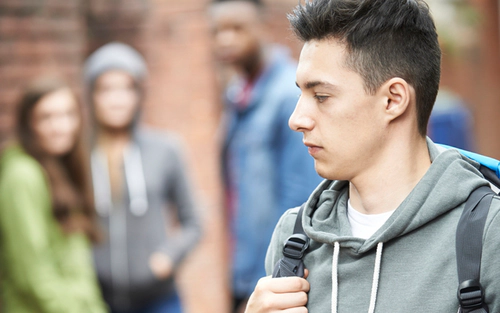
(283, 301)
(272, 302)
(306, 273)
(301, 309)
(284, 284)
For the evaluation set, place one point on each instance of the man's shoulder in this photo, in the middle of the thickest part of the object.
(283, 70)
(284, 76)
(287, 222)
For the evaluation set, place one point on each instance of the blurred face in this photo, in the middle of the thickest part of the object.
(237, 31)
(342, 125)
(55, 122)
(116, 100)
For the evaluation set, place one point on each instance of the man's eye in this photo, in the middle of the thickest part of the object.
(321, 98)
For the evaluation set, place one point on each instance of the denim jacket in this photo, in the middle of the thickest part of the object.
(267, 168)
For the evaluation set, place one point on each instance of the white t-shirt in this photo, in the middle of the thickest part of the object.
(365, 225)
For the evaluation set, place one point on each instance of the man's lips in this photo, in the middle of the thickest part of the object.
(312, 148)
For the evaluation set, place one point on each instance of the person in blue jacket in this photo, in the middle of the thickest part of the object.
(267, 169)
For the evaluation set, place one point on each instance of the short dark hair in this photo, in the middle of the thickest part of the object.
(384, 39)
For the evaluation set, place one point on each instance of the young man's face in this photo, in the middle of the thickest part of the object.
(115, 99)
(236, 27)
(343, 126)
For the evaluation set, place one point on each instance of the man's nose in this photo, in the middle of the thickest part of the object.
(300, 120)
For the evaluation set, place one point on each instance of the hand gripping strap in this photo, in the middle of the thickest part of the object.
(469, 246)
(291, 263)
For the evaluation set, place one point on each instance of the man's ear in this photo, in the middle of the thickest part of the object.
(397, 95)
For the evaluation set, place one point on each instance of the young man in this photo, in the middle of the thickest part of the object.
(382, 226)
(266, 166)
(141, 190)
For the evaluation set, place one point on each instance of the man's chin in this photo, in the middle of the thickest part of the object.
(327, 172)
(320, 170)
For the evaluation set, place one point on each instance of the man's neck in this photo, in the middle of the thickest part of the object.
(383, 187)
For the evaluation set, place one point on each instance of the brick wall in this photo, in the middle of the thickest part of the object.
(37, 37)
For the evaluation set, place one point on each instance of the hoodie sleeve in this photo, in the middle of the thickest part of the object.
(49, 273)
(182, 196)
(490, 267)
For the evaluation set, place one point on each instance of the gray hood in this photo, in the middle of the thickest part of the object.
(114, 56)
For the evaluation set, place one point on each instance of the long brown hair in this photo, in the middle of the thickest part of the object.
(69, 175)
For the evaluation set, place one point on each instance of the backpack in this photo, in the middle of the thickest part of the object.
(469, 233)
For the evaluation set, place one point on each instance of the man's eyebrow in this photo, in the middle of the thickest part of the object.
(312, 84)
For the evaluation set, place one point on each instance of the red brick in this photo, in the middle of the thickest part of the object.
(10, 26)
(20, 7)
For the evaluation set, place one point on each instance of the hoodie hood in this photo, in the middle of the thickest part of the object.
(445, 186)
(114, 56)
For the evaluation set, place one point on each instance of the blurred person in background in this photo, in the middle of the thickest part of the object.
(267, 169)
(141, 188)
(47, 217)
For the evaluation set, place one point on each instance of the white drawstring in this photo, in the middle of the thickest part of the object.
(376, 276)
(335, 283)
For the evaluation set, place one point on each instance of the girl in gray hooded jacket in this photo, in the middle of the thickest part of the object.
(141, 190)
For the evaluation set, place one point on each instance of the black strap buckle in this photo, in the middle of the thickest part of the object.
(295, 246)
(471, 296)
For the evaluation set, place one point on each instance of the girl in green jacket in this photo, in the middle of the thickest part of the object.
(47, 219)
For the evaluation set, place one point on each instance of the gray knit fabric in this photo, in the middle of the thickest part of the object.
(114, 56)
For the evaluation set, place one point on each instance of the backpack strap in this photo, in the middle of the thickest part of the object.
(291, 263)
(469, 246)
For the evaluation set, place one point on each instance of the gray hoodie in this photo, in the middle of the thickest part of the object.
(409, 264)
(157, 195)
